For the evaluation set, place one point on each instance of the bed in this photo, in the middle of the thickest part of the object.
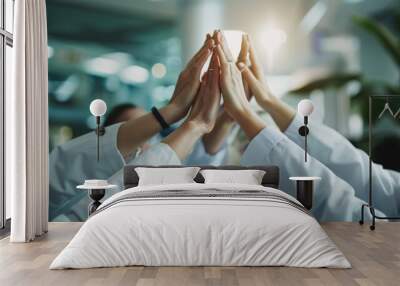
(199, 224)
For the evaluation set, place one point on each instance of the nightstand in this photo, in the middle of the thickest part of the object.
(96, 190)
(304, 190)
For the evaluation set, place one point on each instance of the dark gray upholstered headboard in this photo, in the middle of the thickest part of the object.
(271, 177)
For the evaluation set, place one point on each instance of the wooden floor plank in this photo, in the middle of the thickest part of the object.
(375, 257)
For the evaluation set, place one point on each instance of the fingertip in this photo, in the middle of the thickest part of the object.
(243, 42)
(249, 41)
(207, 44)
(219, 36)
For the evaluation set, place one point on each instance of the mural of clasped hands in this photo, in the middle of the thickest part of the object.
(237, 81)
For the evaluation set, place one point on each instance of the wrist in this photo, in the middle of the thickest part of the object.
(172, 113)
(281, 113)
(242, 112)
(195, 128)
(226, 118)
(268, 102)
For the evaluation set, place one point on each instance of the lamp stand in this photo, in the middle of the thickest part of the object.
(100, 131)
(303, 131)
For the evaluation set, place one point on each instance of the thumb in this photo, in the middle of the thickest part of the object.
(250, 79)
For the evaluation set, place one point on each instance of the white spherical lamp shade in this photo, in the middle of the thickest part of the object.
(98, 107)
(305, 107)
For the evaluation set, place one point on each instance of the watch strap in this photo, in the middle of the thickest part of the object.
(159, 118)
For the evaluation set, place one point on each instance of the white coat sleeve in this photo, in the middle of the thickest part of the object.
(350, 164)
(199, 155)
(334, 199)
(74, 162)
(159, 154)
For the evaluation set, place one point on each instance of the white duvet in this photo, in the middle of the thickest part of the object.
(200, 231)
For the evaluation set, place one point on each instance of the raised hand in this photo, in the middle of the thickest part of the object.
(188, 82)
(224, 117)
(254, 77)
(233, 92)
(205, 109)
(236, 103)
(242, 58)
(203, 114)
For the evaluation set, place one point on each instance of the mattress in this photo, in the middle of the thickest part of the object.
(201, 225)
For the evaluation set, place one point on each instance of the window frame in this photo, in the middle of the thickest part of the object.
(6, 39)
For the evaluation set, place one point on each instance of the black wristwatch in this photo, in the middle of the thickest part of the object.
(159, 118)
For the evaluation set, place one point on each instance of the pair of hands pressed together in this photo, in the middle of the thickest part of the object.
(225, 76)
(238, 83)
(205, 120)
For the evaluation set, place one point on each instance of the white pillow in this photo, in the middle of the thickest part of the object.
(165, 176)
(247, 177)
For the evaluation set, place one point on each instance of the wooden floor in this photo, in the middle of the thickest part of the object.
(375, 257)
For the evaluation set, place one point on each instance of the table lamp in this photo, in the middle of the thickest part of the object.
(305, 108)
(98, 108)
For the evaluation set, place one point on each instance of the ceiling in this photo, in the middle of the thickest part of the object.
(110, 24)
(150, 32)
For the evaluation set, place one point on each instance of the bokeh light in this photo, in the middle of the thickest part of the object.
(159, 70)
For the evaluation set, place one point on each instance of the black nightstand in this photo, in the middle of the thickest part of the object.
(96, 193)
(304, 190)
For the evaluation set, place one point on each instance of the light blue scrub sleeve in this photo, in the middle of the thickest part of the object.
(334, 199)
(159, 154)
(350, 164)
(199, 155)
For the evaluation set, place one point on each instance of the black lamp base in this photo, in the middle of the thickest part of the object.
(96, 195)
(305, 193)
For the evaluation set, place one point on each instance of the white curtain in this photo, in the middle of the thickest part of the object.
(27, 124)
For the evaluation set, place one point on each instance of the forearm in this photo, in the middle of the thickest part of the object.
(214, 140)
(250, 122)
(281, 113)
(135, 132)
(183, 139)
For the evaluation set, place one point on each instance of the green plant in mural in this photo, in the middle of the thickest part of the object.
(389, 42)
(387, 39)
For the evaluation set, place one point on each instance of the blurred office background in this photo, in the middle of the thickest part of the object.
(332, 51)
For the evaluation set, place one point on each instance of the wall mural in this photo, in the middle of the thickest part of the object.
(147, 83)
